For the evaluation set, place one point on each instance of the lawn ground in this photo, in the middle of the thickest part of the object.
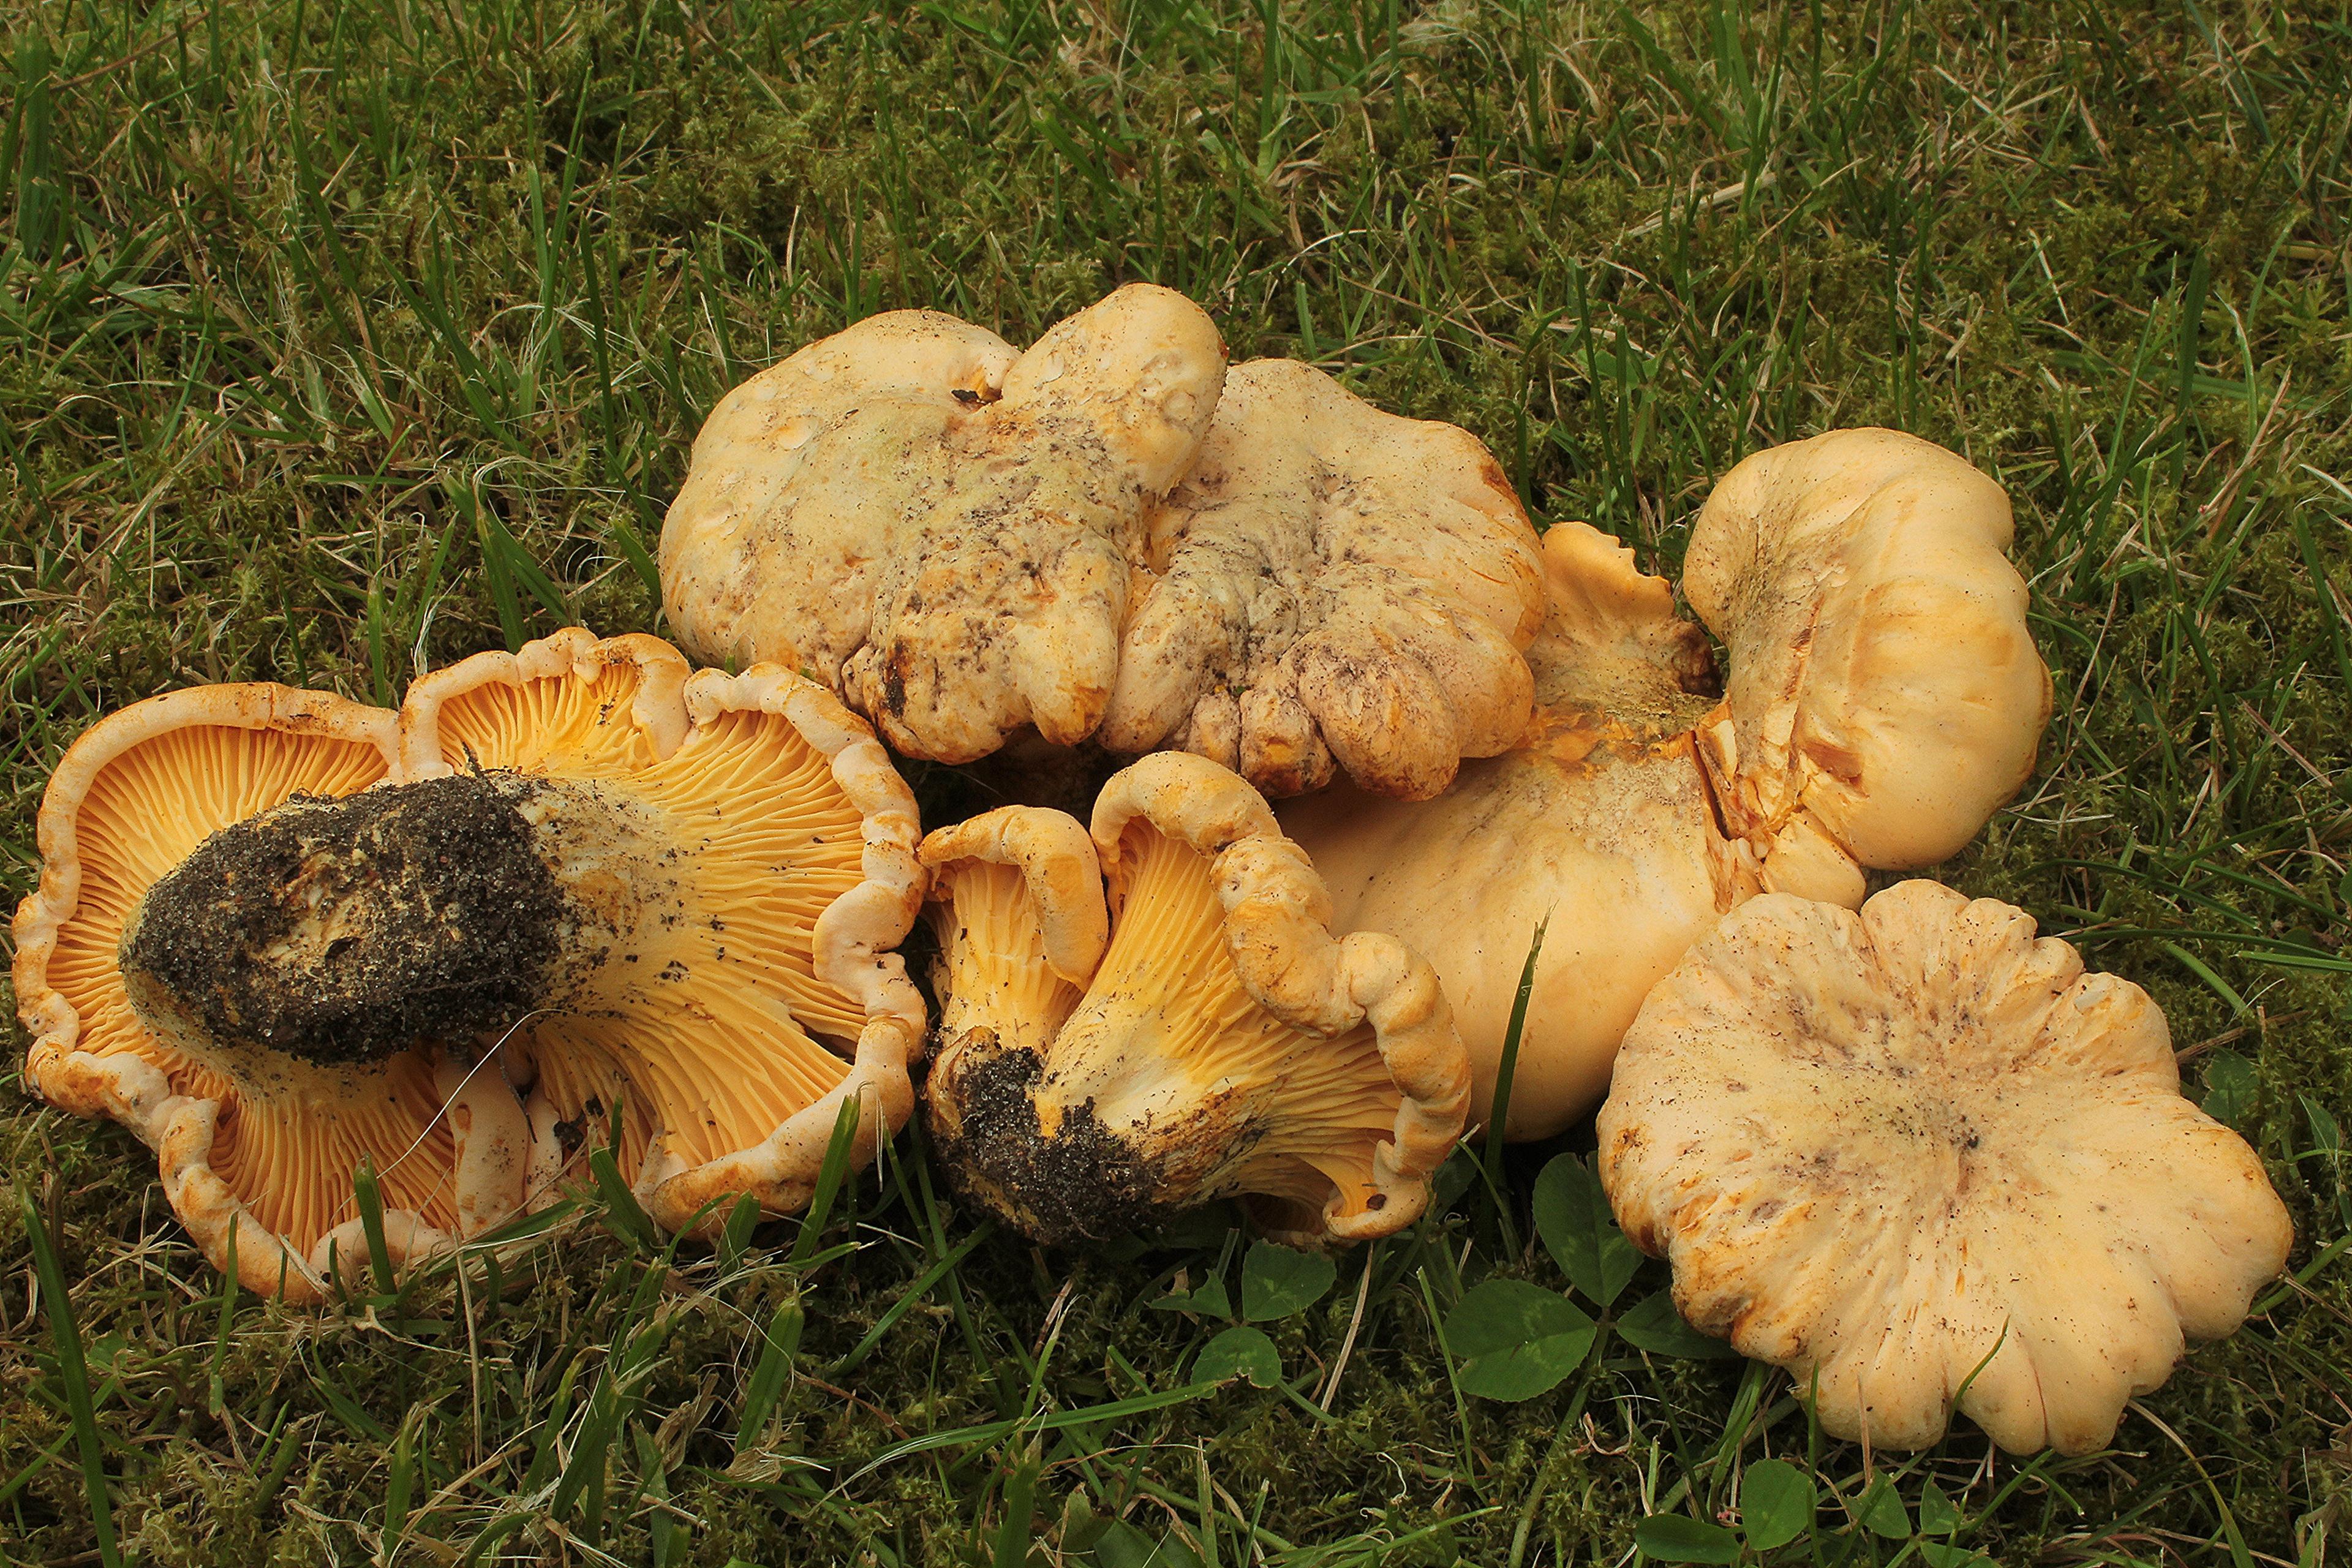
(341, 339)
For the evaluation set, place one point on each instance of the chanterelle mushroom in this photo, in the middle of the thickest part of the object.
(1885, 697)
(1202, 1035)
(937, 526)
(1331, 586)
(965, 540)
(278, 933)
(1914, 1148)
(737, 858)
(255, 1150)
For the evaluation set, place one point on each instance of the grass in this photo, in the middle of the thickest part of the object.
(341, 339)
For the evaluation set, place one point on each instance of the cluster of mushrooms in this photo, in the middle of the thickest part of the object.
(587, 896)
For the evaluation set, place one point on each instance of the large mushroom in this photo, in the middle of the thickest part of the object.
(970, 543)
(1919, 1158)
(1199, 1035)
(257, 1146)
(1885, 697)
(277, 933)
(1331, 589)
(937, 526)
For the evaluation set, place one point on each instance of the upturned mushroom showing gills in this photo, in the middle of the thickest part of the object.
(279, 933)
(937, 526)
(1332, 589)
(1918, 1157)
(1885, 697)
(1199, 1035)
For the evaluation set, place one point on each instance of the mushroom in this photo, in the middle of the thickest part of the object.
(936, 526)
(1200, 1035)
(1919, 1158)
(278, 933)
(965, 540)
(738, 856)
(1885, 699)
(255, 1146)
(1331, 588)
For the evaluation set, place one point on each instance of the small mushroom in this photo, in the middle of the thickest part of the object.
(1331, 589)
(1200, 1035)
(936, 526)
(1918, 1157)
(278, 933)
(1885, 699)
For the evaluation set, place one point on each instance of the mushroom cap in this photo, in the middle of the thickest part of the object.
(1885, 696)
(940, 528)
(1634, 811)
(1597, 827)
(764, 802)
(1919, 1157)
(1331, 588)
(1196, 1034)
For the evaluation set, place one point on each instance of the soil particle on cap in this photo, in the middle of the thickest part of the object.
(346, 931)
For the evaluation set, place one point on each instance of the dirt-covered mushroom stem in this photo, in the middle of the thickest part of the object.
(346, 931)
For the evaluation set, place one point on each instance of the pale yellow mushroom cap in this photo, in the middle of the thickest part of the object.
(938, 527)
(270, 923)
(1916, 1151)
(1884, 699)
(1197, 1034)
(1110, 537)
(1884, 695)
(1597, 825)
(1332, 589)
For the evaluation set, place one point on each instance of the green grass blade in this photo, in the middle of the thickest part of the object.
(830, 1176)
(66, 1334)
(368, 1197)
(777, 1348)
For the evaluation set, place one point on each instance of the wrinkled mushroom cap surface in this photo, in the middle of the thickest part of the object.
(1917, 1148)
(938, 527)
(1884, 697)
(257, 1146)
(1331, 589)
(1196, 1034)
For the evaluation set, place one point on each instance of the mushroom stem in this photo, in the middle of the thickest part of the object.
(342, 931)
